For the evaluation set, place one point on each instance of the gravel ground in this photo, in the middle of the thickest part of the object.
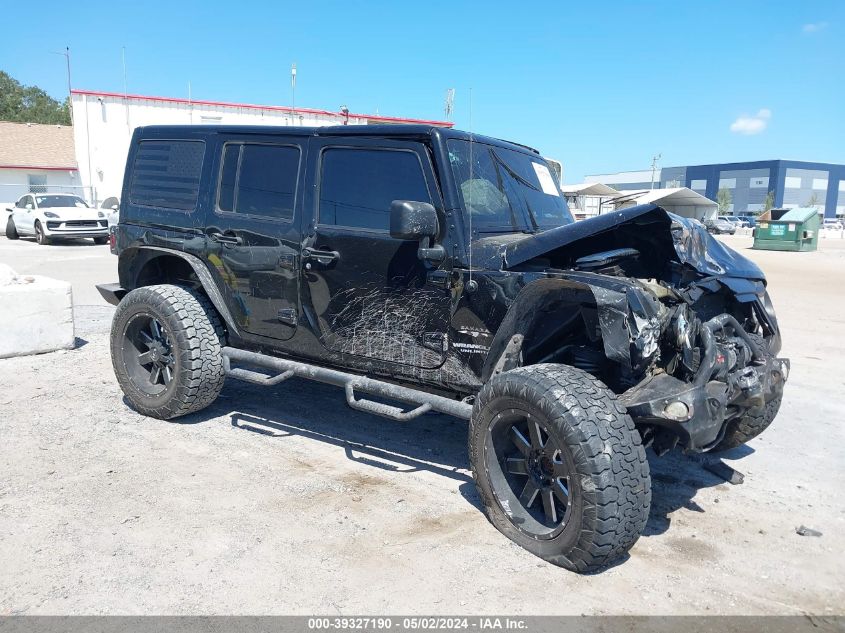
(284, 501)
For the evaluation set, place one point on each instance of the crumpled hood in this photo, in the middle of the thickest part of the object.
(652, 230)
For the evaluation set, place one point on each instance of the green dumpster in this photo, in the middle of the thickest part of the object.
(788, 230)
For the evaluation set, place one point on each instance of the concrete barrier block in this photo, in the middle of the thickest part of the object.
(36, 315)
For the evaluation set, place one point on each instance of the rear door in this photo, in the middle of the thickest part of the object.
(368, 294)
(253, 234)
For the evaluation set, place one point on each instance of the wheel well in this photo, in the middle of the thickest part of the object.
(148, 267)
(166, 269)
(557, 321)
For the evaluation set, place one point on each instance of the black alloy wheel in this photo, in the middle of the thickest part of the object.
(530, 474)
(148, 353)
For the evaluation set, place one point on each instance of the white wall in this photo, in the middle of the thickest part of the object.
(103, 126)
(15, 182)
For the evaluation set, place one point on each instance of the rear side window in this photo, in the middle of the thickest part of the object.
(166, 174)
(259, 180)
(358, 185)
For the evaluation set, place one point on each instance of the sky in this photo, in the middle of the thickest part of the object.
(600, 86)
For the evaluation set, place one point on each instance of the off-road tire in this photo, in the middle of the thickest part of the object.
(11, 231)
(751, 425)
(99, 241)
(611, 488)
(196, 333)
(748, 427)
(42, 239)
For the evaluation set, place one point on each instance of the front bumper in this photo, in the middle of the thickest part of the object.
(76, 228)
(709, 405)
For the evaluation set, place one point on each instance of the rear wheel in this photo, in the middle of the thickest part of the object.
(166, 350)
(559, 466)
(39, 234)
(11, 231)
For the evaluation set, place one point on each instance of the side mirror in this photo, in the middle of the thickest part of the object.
(29, 206)
(115, 207)
(411, 220)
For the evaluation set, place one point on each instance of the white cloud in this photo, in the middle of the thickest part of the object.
(752, 124)
(813, 27)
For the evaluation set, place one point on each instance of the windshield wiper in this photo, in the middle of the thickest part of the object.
(515, 175)
(502, 189)
(522, 181)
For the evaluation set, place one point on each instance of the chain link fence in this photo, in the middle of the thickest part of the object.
(10, 193)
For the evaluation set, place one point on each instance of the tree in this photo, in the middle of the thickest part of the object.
(769, 202)
(812, 201)
(30, 104)
(723, 199)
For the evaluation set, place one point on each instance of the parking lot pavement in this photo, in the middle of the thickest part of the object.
(282, 500)
(80, 262)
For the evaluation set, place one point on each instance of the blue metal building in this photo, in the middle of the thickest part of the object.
(794, 183)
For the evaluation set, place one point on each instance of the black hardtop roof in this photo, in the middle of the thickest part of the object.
(381, 131)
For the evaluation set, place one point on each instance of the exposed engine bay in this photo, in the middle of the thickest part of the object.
(686, 337)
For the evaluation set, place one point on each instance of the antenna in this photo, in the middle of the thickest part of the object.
(450, 102)
(293, 91)
(654, 168)
(469, 203)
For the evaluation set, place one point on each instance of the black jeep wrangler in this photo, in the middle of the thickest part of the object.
(436, 270)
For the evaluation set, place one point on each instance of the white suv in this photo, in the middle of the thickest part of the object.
(49, 216)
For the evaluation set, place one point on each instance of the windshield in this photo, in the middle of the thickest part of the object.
(45, 202)
(506, 190)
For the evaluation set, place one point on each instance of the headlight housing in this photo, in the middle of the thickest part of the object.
(50, 214)
(100, 214)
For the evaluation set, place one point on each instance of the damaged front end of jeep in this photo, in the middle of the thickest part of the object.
(677, 324)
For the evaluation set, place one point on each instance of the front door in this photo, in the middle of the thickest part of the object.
(253, 231)
(25, 215)
(370, 295)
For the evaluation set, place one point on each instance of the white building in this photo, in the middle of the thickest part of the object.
(36, 158)
(104, 122)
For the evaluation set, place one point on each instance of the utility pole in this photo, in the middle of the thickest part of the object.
(125, 90)
(66, 53)
(654, 168)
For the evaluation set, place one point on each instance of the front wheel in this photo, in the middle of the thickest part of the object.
(42, 239)
(559, 465)
(166, 350)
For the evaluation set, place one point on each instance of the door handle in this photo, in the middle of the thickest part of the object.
(222, 238)
(321, 257)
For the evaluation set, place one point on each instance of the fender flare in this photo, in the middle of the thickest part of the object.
(134, 262)
(522, 313)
